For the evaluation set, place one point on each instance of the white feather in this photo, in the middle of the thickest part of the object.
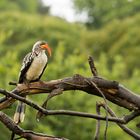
(37, 66)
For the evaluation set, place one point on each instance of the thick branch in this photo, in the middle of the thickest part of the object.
(110, 90)
(113, 91)
(29, 135)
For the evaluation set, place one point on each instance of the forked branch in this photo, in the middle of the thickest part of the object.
(96, 86)
(112, 90)
(29, 135)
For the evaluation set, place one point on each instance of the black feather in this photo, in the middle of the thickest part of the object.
(27, 61)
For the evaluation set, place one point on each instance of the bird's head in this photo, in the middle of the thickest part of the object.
(39, 46)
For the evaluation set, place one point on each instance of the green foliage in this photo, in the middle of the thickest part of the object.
(115, 48)
(101, 12)
(30, 6)
(116, 38)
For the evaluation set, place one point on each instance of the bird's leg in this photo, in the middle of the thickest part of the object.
(55, 92)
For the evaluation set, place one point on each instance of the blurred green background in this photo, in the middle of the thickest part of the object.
(111, 35)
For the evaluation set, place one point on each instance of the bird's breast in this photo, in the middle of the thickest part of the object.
(36, 67)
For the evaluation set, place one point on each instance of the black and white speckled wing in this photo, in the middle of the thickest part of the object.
(27, 61)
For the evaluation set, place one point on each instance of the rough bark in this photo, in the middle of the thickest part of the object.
(112, 90)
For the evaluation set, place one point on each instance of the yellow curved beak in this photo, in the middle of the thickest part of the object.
(46, 47)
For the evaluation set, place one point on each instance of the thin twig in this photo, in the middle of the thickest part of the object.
(95, 73)
(97, 132)
(59, 112)
(123, 120)
(54, 93)
(131, 116)
(95, 86)
(124, 128)
(92, 66)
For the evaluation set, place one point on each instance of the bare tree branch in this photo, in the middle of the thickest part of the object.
(105, 133)
(29, 135)
(59, 112)
(52, 94)
(133, 115)
(113, 91)
(97, 132)
(123, 120)
(92, 66)
(124, 128)
(106, 89)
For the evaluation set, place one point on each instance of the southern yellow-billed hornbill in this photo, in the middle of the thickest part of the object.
(32, 69)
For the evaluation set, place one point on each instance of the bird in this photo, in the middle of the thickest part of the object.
(33, 66)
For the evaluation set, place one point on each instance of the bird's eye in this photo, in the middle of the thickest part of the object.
(42, 43)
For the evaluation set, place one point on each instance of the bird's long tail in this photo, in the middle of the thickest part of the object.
(20, 113)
